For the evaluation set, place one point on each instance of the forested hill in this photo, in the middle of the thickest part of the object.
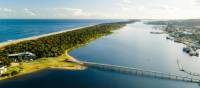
(56, 45)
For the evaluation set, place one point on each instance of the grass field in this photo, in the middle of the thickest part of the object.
(43, 63)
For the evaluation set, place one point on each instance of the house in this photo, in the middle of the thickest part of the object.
(21, 56)
(187, 33)
(2, 69)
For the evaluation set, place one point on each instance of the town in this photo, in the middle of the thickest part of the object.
(183, 31)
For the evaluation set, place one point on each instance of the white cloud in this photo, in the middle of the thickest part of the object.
(127, 1)
(159, 9)
(77, 13)
(197, 1)
(163, 8)
(71, 12)
(6, 10)
(29, 12)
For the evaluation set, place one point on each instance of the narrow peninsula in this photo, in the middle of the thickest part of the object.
(49, 51)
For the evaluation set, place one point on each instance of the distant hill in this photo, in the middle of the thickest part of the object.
(191, 22)
(195, 22)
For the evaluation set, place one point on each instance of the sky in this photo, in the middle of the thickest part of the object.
(100, 9)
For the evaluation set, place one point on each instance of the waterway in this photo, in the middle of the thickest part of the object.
(131, 46)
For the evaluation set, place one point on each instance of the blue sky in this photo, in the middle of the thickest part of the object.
(100, 9)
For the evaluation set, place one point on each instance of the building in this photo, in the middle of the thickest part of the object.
(187, 33)
(2, 69)
(21, 56)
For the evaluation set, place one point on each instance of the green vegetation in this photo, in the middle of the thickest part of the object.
(11, 71)
(42, 63)
(49, 50)
(56, 45)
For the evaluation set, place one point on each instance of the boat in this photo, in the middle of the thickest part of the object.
(180, 65)
(157, 32)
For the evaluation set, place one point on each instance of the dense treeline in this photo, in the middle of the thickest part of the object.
(56, 45)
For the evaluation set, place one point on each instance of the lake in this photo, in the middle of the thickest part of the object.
(131, 46)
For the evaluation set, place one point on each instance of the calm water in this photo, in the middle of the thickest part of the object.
(15, 29)
(132, 46)
(89, 78)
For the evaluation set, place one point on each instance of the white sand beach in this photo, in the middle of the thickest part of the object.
(3, 44)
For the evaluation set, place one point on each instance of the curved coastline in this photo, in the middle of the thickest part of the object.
(65, 61)
(69, 58)
(6, 43)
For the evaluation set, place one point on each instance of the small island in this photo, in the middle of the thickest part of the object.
(49, 51)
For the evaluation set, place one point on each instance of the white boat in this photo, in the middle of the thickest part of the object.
(180, 66)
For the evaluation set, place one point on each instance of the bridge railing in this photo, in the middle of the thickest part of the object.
(141, 72)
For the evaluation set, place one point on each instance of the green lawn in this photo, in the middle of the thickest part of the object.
(39, 64)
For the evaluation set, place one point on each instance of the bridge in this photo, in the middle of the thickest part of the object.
(140, 72)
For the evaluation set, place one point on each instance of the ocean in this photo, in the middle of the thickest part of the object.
(11, 29)
(131, 46)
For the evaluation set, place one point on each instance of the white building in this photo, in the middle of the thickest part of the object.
(187, 33)
(3, 69)
(23, 55)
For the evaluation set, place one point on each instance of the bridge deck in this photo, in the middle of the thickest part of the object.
(141, 72)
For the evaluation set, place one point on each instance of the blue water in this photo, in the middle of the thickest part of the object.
(90, 78)
(131, 46)
(11, 29)
(135, 46)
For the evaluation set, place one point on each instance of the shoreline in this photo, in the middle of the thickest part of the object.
(6, 43)
(64, 61)
(188, 49)
(70, 59)
(181, 31)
